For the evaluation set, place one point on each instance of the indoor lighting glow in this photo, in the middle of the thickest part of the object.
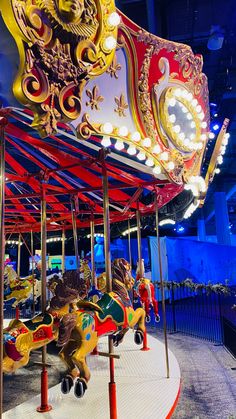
(166, 221)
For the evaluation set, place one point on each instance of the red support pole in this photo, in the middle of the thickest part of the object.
(17, 313)
(44, 407)
(145, 344)
(112, 391)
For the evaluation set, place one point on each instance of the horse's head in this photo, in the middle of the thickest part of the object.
(121, 273)
(16, 346)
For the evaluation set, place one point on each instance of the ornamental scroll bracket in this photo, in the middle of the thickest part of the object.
(61, 44)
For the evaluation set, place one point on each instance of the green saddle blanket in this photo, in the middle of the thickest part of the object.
(39, 320)
(111, 307)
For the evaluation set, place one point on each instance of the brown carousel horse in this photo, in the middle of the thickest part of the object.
(76, 325)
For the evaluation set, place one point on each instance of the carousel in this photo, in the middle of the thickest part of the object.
(98, 112)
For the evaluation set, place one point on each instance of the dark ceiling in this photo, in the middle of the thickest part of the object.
(191, 22)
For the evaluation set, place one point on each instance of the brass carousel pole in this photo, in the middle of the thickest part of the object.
(44, 407)
(19, 256)
(3, 122)
(140, 265)
(63, 249)
(162, 291)
(94, 284)
(129, 244)
(112, 384)
(32, 258)
(18, 271)
(75, 236)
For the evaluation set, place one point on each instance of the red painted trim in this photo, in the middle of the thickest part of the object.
(175, 403)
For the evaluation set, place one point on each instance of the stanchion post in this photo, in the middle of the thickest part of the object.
(112, 384)
(162, 290)
(75, 236)
(19, 255)
(32, 270)
(44, 407)
(63, 249)
(3, 123)
(141, 273)
(129, 244)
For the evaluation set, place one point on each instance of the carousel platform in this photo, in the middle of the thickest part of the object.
(143, 391)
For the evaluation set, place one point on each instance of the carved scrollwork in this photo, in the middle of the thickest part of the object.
(61, 45)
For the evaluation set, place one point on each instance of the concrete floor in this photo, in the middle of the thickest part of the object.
(208, 389)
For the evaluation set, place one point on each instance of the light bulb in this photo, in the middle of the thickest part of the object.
(217, 170)
(192, 125)
(194, 102)
(123, 131)
(107, 128)
(135, 136)
(172, 102)
(186, 142)
(222, 150)
(189, 116)
(170, 165)
(177, 92)
(156, 170)
(172, 118)
(211, 135)
(189, 97)
(119, 145)
(220, 159)
(184, 93)
(203, 137)
(149, 162)
(204, 124)
(147, 142)
(182, 136)
(164, 156)
(113, 19)
(198, 108)
(192, 136)
(131, 150)
(176, 129)
(110, 43)
(225, 141)
(141, 156)
(156, 149)
(201, 116)
(106, 141)
(200, 146)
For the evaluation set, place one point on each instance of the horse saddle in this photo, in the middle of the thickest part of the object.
(39, 320)
(111, 306)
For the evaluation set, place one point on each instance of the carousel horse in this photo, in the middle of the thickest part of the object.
(144, 289)
(19, 289)
(76, 324)
(87, 274)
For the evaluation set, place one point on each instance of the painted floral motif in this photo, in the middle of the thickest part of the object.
(122, 105)
(87, 320)
(114, 67)
(95, 98)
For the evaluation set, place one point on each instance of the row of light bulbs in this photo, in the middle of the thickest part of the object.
(166, 221)
(95, 235)
(192, 207)
(131, 230)
(54, 239)
(196, 184)
(113, 21)
(13, 242)
(188, 142)
(223, 148)
(135, 137)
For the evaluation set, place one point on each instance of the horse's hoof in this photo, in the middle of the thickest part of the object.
(80, 387)
(148, 319)
(157, 318)
(66, 384)
(138, 337)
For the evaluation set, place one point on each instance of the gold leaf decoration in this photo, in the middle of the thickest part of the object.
(122, 105)
(95, 98)
(114, 67)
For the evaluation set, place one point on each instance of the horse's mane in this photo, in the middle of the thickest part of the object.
(71, 288)
(119, 269)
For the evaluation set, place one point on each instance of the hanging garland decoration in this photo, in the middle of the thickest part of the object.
(196, 287)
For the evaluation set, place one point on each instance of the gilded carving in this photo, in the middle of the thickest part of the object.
(61, 45)
(94, 98)
(122, 105)
(114, 67)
